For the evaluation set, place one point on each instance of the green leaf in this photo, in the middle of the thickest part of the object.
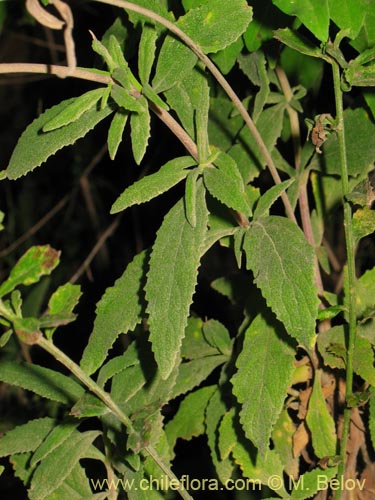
(115, 132)
(298, 42)
(175, 62)
(283, 265)
(365, 293)
(366, 37)
(36, 262)
(262, 400)
(216, 24)
(153, 185)
(172, 278)
(225, 183)
(52, 471)
(218, 336)
(140, 131)
(194, 344)
(312, 482)
(191, 196)
(371, 423)
(188, 422)
(282, 439)
(75, 110)
(25, 158)
(61, 305)
(26, 437)
(320, 422)
(126, 100)
(146, 52)
(43, 381)
(27, 330)
(314, 15)
(57, 435)
(270, 196)
(363, 223)
(117, 364)
(118, 311)
(76, 486)
(226, 59)
(348, 15)
(88, 406)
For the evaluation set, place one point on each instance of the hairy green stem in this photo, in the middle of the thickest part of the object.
(351, 276)
(108, 401)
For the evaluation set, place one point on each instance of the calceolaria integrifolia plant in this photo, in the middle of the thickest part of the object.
(271, 110)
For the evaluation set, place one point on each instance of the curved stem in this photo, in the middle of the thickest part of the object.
(221, 80)
(351, 276)
(87, 381)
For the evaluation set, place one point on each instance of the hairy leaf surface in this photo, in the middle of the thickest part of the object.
(26, 437)
(172, 278)
(283, 266)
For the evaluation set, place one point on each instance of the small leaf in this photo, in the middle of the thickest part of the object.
(262, 400)
(43, 381)
(225, 183)
(312, 482)
(125, 100)
(88, 406)
(115, 132)
(59, 433)
(52, 471)
(191, 196)
(75, 110)
(296, 41)
(283, 265)
(26, 437)
(146, 52)
(28, 330)
(140, 131)
(314, 15)
(270, 196)
(36, 262)
(363, 223)
(118, 311)
(25, 158)
(216, 24)
(155, 184)
(218, 336)
(320, 422)
(183, 425)
(172, 278)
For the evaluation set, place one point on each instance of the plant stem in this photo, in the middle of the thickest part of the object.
(351, 276)
(108, 401)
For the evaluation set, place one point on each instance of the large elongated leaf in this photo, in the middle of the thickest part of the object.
(172, 278)
(283, 265)
(43, 381)
(59, 464)
(152, 185)
(34, 147)
(26, 437)
(216, 24)
(314, 15)
(118, 311)
(263, 399)
(38, 261)
(320, 422)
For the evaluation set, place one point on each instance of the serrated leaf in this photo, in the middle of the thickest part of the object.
(153, 185)
(118, 311)
(76, 486)
(140, 131)
(52, 471)
(320, 422)
(75, 110)
(263, 400)
(175, 62)
(33, 147)
(172, 278)
(225, 183)
(216, 24)
(312, 482)
(188, 422)
(55, 437)
(146, 52)
(314, 15)
(36, 262)
(283, 265)
(269, 197)
(26, 437)
(115, 132)
(117, 364)
(43, 381)
(125, 100)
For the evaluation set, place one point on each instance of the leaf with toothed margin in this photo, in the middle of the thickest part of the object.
(172, 279)
(283, 265)
(34, 147)
(262, 400)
